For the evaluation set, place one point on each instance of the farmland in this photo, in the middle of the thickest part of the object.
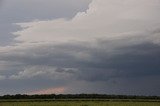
(78, 100)
(78, 103)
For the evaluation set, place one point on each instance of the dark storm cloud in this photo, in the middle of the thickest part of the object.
(126, 62)
(129, 63)
(14, 11)
(139, 60)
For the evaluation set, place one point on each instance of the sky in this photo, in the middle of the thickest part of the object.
(82, 46)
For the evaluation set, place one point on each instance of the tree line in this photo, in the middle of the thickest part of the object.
(77, 96)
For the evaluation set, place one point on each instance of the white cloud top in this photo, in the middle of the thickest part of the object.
(105, 19)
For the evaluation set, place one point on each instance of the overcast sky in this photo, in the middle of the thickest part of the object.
(82, 46)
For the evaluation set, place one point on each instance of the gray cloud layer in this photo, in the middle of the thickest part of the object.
(97, 51)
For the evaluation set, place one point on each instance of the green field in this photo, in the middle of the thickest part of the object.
(78, 103)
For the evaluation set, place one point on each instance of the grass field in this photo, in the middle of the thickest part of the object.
(77, 103)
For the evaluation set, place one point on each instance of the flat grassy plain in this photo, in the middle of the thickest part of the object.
(79, 103)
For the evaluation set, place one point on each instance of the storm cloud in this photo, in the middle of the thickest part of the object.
(112, 47)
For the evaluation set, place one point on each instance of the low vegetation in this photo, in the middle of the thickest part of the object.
(78, 100)
(79, 103)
